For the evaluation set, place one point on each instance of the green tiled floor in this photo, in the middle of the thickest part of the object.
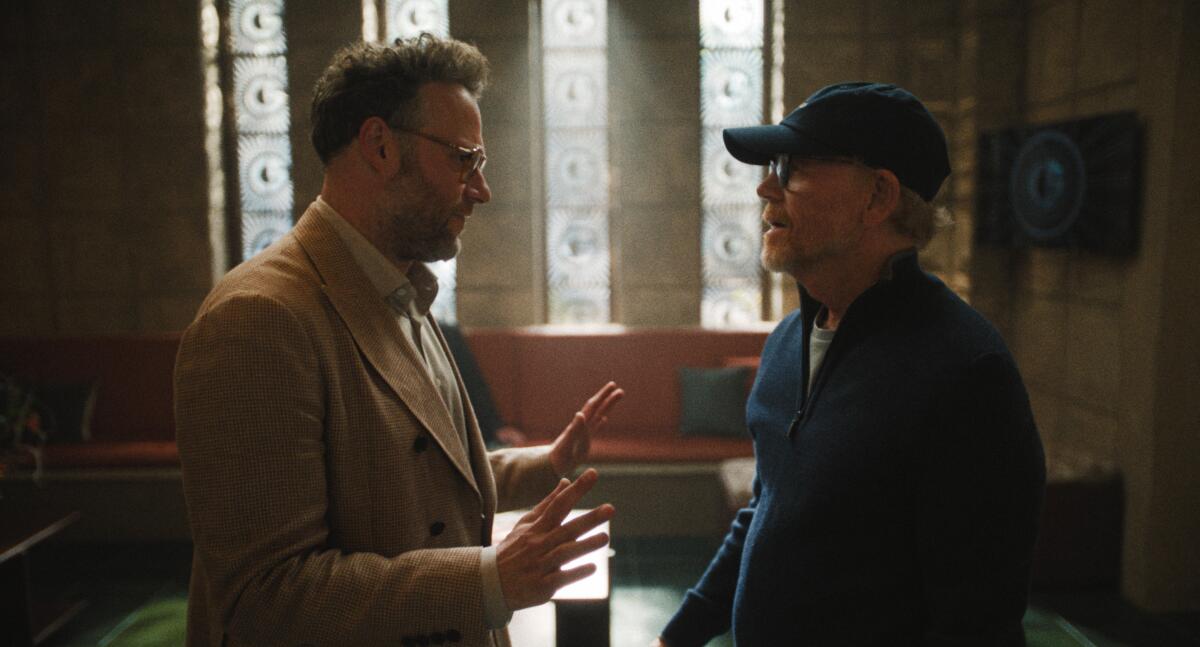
(138, 599)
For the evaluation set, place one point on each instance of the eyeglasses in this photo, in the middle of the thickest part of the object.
(470, 160)
(781, 165)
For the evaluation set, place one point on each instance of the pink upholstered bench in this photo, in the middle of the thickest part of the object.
(540, 376)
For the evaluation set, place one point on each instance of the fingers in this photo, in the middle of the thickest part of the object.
(597, 398)
(563, 535)
(599, 423)
(569, 552)
(531, 558)
(608, 403)
(577, 423)
(584, 522)
(565, 499)
(540, 508)
(602, 400)
(563, 578)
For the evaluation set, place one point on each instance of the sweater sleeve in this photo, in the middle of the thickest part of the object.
(707, 608)
(978, 508)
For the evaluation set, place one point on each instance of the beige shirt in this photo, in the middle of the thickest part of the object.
(409, 297)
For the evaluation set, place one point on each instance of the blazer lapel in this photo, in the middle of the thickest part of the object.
(477, 450)
(375, 331)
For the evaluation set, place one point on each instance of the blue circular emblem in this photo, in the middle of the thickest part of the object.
(1047, 185)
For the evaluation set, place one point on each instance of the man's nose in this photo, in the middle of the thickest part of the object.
(478, 190)
(769, 188)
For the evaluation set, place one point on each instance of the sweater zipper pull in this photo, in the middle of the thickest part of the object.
(795, 423)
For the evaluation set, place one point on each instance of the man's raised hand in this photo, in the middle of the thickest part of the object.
(531, 557)
(571, 447)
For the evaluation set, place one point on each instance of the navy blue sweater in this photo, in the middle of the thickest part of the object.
(897, 503)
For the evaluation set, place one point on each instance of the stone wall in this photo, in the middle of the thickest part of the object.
(1090, 332)
(103, 174)
(501, 265)
(315, 30)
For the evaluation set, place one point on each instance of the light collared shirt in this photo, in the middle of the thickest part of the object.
(409, 297)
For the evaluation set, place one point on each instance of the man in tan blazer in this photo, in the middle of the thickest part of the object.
(338, 488)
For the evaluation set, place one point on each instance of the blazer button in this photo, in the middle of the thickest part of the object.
(453, 636)
(420, 444)
(437, 528)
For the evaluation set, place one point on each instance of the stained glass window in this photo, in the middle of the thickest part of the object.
(731, 94)
(214, 118)
(409, 18)
(575, 103)
(264, 152)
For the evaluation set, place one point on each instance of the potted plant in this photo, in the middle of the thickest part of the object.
(21, 430)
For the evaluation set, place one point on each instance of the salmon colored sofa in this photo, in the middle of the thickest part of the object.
(538, 377)
(132, 422)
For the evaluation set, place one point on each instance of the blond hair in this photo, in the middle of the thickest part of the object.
(917, 218)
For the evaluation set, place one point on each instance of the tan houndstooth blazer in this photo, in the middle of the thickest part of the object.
(330, 498)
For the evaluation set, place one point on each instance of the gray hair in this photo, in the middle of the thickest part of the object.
(918, 219)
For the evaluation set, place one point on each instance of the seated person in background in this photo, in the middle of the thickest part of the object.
(496, 433)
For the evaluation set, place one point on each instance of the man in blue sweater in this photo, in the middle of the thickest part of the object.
(899, 471)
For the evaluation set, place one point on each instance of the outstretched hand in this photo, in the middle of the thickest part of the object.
(571, 447)
(531, 557)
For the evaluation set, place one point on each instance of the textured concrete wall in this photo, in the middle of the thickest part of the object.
(654, 112)
(103, 175)
(500, 269)
(315, 30)
(1097, 338)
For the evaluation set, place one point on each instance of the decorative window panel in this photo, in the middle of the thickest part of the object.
(262, 121)
(409, 18)
(731, 95)
(214, 119)
(575, 108)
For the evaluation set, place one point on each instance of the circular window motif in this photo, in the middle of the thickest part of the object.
(264, 238)
(580, 244)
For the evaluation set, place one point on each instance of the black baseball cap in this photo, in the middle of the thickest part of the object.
(883, 125)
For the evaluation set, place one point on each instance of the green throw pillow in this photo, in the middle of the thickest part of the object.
(713, 401)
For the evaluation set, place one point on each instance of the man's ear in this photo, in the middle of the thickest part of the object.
(377, 146)
(885, 196)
